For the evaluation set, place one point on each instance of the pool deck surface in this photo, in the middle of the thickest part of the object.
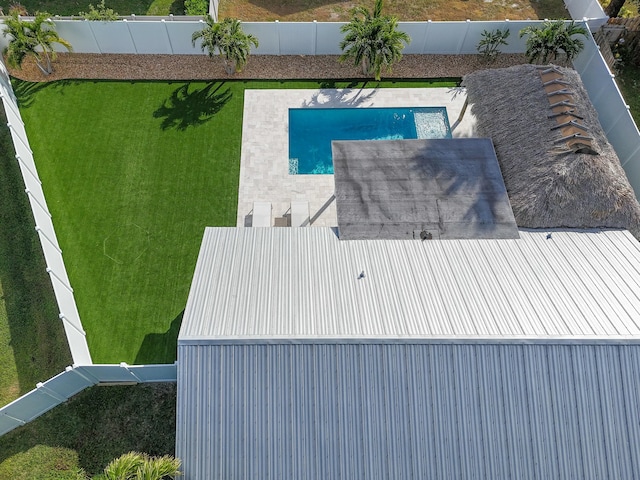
(264, 160)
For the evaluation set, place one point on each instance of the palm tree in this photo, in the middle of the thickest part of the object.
(228, 38)
(553, 38)
(614, 7)
(372, 40)
(31, 38)
(140, 466)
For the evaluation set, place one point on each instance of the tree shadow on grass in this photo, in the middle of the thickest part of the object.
(186, 108)
(26, 91)
(177, 7)
(160, 347)
(342, 84)
(37, 338)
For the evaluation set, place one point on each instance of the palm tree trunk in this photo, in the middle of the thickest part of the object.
(47, 57)
(229, 66)
(366, 66)
(614, 7)
(45, 69)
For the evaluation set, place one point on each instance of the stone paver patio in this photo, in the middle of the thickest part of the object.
(264, 164)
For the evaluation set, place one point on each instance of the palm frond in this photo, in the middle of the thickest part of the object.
(125, 467)
(372, 40)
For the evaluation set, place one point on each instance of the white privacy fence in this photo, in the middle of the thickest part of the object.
(69, 316)
(135, 37)
(589, 10)
(323, 38)
(613, 112)
(73, 380)
(275, 38)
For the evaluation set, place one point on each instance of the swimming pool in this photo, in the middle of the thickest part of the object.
(311, 131)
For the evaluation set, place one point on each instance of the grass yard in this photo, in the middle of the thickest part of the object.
(91, 429)
(321, 10)
(133, 173)
(123, 7)
(409, 10)
(629, 83)
(33, 346)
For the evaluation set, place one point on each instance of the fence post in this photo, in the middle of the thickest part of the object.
(35, 199)
(12, 107)
(466, 32)
(278, 34)
(56, 396)
(133, 42)
(20, 138)
(95, 39)
(11, 103)
(57, 277)
(315, 37)
(85, 372)
(53, 244)
(166, 29)
(426, 36)
(126, 367)
(20, 160)
(15, 419)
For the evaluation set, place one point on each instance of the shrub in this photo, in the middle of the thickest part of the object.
(489, 45)
(552, 39)
(196, 7)
(101, 12)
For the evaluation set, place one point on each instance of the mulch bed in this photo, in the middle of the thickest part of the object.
(260, 67)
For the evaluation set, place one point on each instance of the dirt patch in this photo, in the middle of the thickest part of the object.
(404, 10)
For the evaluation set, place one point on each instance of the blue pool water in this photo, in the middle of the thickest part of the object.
(311, 131)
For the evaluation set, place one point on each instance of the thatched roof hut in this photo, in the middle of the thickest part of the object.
(549, 185)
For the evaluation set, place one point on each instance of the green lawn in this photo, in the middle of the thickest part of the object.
(33, 346)
(629, 83)
(94, 427)
(133, 173)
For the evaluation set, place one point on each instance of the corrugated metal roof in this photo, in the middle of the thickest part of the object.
(407, 411)
(302, 284)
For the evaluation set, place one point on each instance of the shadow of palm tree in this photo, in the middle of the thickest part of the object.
(345, 97)
(26, 91)
(186, 108)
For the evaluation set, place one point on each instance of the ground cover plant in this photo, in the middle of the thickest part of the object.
(321, 10)
(85, 434)
(35, 39)
(131, 189)
(33, 346)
